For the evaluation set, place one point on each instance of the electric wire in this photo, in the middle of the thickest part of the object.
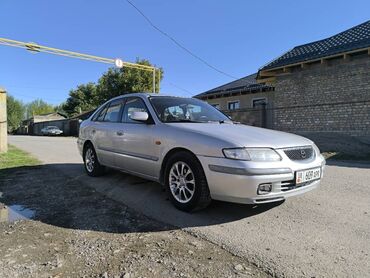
(178, 43)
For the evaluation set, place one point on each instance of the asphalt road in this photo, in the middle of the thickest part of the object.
(324, 233)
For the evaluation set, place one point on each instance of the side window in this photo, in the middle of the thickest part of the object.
(133, 105)
(101, 114)
(112, 114)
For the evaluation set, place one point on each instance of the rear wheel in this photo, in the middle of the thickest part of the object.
(186, 182)
(92, 166)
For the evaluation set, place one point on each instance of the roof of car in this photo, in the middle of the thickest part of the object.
(146, 95)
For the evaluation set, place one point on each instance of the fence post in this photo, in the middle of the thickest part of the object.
(3, 122)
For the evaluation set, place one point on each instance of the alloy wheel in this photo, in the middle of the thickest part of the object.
(89, 160)
(182, 182)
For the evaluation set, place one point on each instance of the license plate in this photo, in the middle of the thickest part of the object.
(308, 175)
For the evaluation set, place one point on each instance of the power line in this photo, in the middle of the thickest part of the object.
(180, 88)
(178, 43)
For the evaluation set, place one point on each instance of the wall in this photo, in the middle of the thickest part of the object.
(61, 124)
(329, 103)
(245, 100)
(253, 117)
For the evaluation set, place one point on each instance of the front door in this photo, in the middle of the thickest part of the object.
(139, 153)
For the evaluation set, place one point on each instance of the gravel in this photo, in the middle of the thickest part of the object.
(77, 232)
(323, 233)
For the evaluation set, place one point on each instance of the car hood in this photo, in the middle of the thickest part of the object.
(246, 136)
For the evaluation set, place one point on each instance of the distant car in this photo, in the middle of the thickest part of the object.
(51, 130)
(197, 152)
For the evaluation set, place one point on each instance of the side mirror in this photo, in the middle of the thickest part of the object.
(139, 116)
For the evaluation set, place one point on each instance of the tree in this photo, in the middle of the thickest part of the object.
(38, 107)
(81, 99)
(113, 83)
(15, 113)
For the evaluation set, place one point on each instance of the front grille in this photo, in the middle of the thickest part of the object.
(289, 185)
(300, 153)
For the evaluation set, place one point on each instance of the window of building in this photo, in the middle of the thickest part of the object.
(259, 101)
(233, 105)
(133, 105)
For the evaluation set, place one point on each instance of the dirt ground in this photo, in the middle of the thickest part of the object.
(77, 232)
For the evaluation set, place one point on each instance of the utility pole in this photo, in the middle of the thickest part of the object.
(3, 122)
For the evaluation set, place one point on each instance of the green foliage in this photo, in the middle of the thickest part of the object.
(15, 113)
(16, 158)
(113, 83)
(38, 107)
(59, 108)
(81, 99)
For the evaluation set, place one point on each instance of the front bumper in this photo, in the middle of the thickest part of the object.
(237, 181)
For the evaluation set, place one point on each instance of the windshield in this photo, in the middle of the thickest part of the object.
(176, 109)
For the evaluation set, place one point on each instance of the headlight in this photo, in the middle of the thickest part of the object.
(252, 154)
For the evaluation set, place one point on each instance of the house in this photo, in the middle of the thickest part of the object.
(69, 126)
(244, 100)
(34, 124)
(321, 90)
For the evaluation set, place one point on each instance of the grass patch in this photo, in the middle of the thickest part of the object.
(16, 158)
(345, 157)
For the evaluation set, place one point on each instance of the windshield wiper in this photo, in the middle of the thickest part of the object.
(184, 121)
(219, 121)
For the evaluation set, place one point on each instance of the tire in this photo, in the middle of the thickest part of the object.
(195, 193)
(92, 166)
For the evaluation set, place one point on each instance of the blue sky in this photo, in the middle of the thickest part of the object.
(237, 36)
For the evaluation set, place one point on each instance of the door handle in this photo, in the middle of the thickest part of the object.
(119, 133)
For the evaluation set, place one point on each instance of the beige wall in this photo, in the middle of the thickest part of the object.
(245, 100)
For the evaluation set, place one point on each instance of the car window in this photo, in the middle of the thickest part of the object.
(133, 105)
(112, 114)
(176, 109)
(101, 114)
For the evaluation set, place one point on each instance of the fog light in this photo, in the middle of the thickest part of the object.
(264, 188)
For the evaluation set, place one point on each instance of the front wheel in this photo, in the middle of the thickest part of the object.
(92, 166)
(186, 182)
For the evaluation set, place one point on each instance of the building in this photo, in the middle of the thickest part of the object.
(34, 124)
(321, 90)
(244, 100)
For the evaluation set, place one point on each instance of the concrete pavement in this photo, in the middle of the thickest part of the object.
(324, 233)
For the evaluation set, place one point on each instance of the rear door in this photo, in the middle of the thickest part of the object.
(106, 132)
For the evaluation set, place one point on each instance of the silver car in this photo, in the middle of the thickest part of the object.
(51, 130)
(197, 152)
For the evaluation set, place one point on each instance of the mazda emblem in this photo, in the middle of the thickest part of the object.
(303, 153)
